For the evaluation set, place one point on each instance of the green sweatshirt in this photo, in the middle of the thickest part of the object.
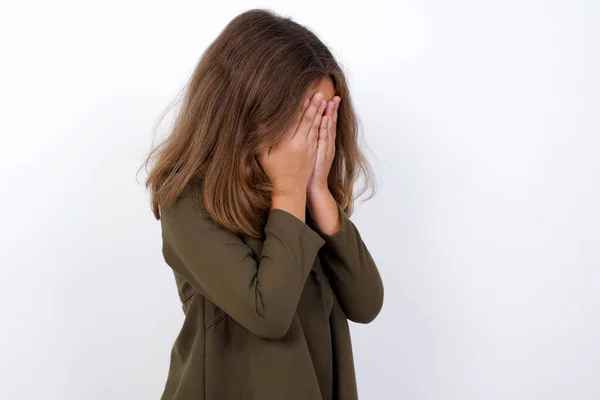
(266, 319)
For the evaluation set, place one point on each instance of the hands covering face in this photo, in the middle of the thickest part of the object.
(325, 147)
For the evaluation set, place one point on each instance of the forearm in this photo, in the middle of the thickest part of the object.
(260, 294)
(353, 273)
(323, 210)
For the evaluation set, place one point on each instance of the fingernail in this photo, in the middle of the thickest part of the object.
(305, 103)
(319, 96)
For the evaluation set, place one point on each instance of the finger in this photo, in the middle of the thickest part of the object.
(313, 134)
(297, 121)
(323, 130)
(323, 139)
(329, 109)
(308, 118)
(337, 99)
(330, 128)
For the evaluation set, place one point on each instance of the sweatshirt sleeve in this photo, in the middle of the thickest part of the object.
(261, 295)
(352, 272)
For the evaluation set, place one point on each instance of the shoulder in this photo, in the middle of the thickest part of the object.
(186, 219)
(186, 206)
(188, 222)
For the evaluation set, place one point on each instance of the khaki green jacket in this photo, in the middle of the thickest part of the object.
(266, 319)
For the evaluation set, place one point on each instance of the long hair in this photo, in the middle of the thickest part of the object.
(243, 95)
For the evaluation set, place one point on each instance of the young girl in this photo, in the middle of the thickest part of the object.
(254, 188)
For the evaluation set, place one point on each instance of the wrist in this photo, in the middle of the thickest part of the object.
(293, 203)
(318, 190)
(289, 188)
(316, 197)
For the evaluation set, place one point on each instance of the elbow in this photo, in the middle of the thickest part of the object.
(270, 327)
(365, 312)
(364, 315)
(267, 316)
(271, 330)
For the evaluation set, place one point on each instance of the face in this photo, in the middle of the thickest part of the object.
(324, 86)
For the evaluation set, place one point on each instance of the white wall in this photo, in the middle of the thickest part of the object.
(484, 120)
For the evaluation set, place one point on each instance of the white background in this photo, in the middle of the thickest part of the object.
(482, 122)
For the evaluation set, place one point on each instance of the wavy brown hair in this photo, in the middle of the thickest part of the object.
(241, 98)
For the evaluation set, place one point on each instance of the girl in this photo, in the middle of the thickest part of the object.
(254, 188)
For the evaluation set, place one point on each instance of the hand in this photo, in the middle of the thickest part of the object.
(325, 149)
(290, 162)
